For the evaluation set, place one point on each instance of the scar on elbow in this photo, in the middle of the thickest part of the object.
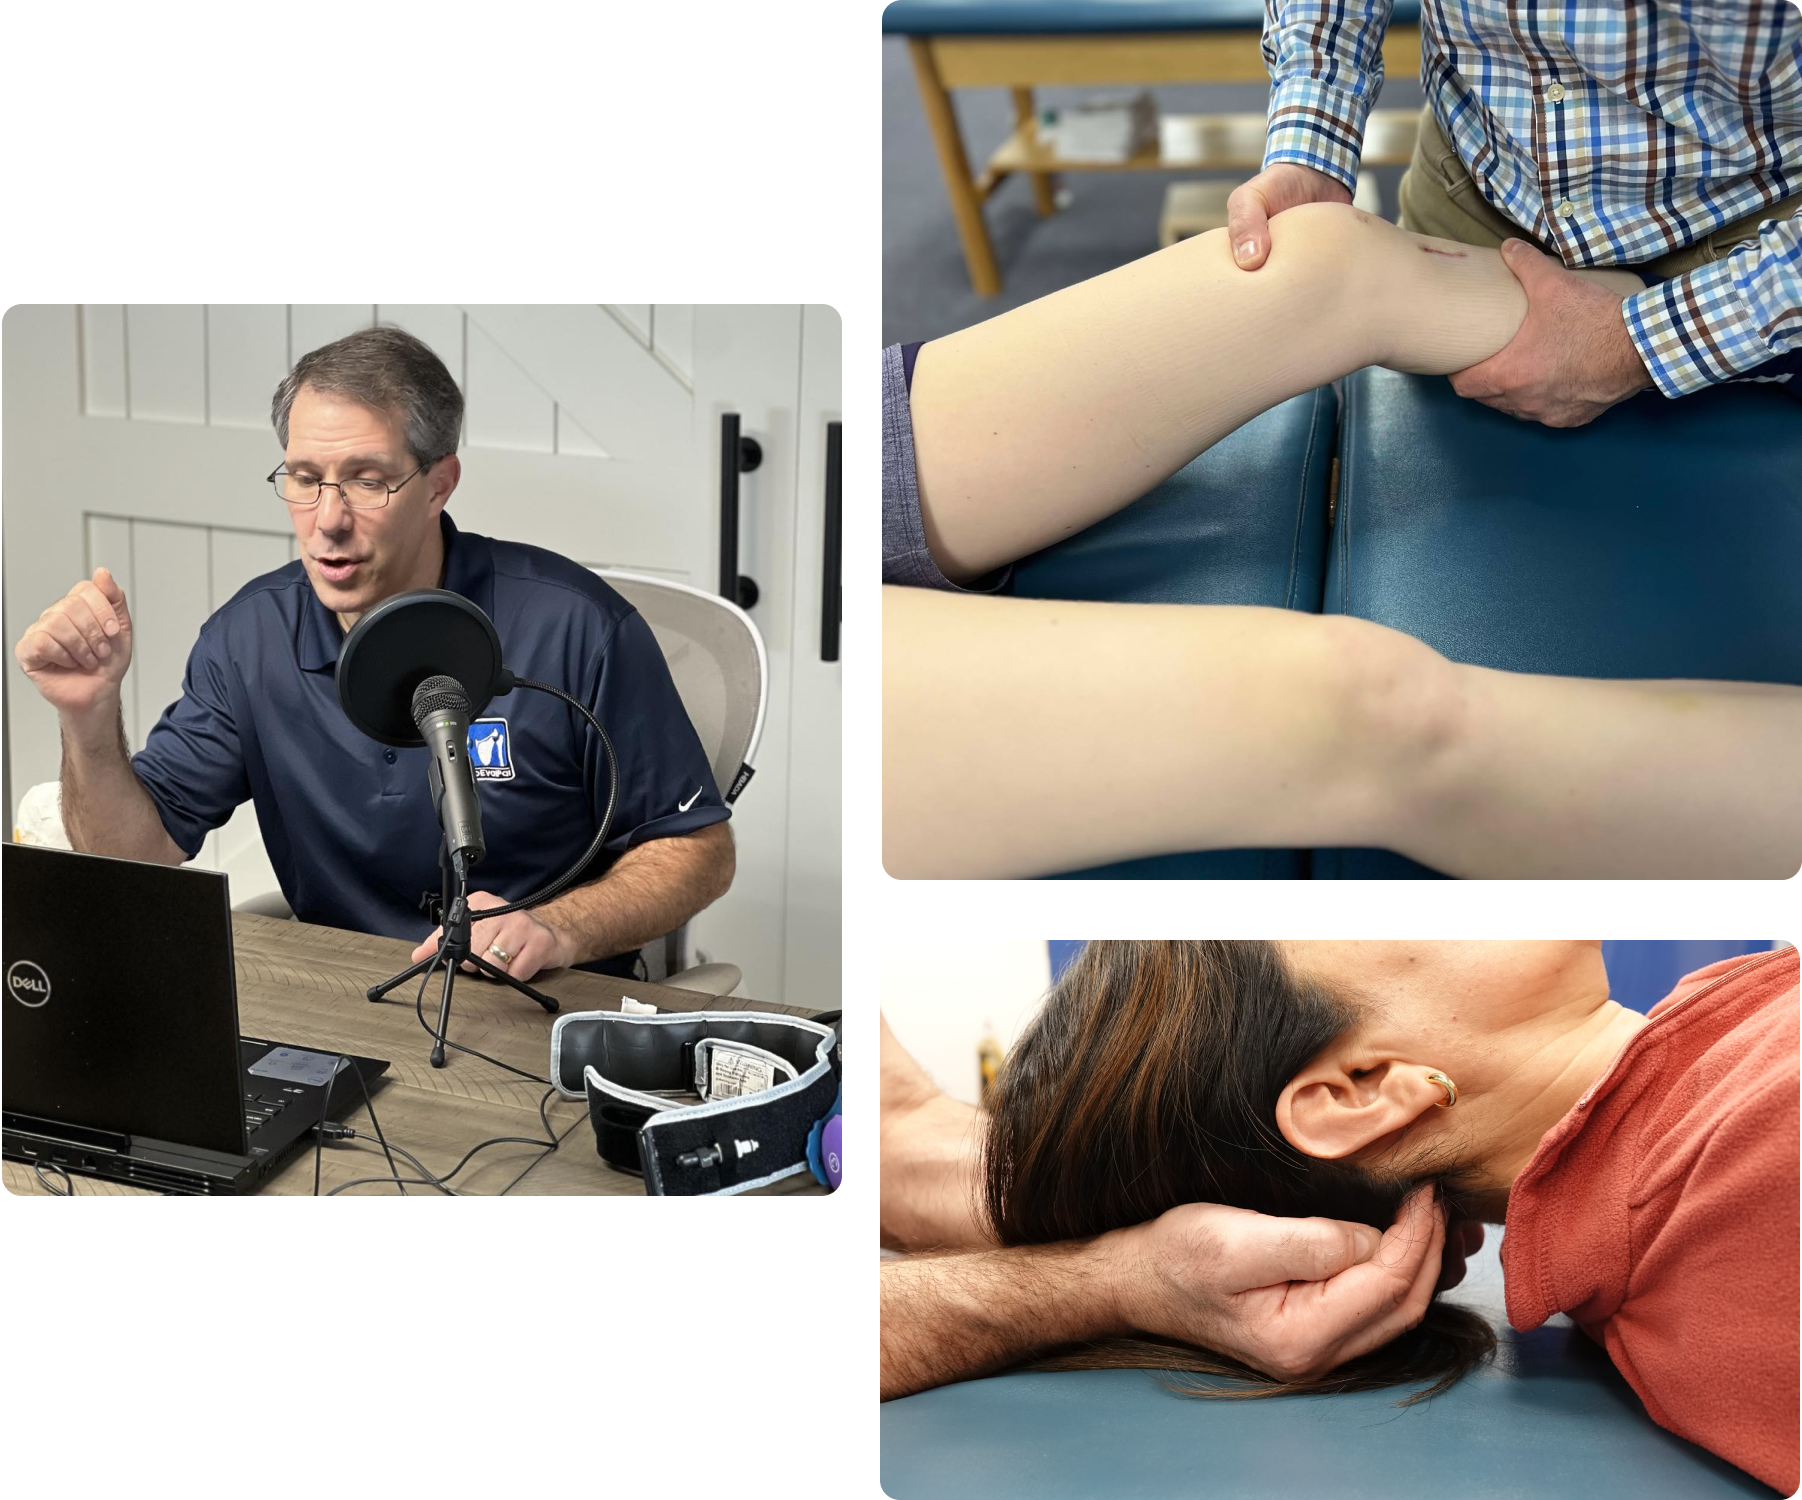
(1448, 254)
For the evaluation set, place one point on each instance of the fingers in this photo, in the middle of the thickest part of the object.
(81, 631)
(1248, 226)
(1408, 1239)
(1267, 1252)
(1426, 1275)
(1253, 204)
(430, 946)
(482, 936)
(80, 611)
(94, 599)
(108, 585)
(1479, 382)
(1412, 1275)
(59, 629)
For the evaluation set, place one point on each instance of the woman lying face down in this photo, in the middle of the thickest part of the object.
(1291, 1079)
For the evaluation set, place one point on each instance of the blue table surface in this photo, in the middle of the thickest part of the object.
(1551, 1418)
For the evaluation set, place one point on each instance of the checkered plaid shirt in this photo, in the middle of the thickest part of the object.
(1613, 132)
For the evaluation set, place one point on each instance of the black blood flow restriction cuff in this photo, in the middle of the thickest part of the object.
(764, 1081)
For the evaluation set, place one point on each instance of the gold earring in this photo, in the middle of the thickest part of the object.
(1451, 1089)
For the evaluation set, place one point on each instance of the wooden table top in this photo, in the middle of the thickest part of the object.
(304, 985)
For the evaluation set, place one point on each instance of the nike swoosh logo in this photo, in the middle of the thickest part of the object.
(684, 806)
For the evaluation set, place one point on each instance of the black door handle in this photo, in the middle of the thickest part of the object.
(831, 587)
(738, 455)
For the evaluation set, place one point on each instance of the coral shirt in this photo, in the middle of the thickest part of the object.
(1661, 1214)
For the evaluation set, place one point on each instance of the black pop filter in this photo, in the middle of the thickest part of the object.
(401, 642)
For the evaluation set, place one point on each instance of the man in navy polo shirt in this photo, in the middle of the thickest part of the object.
(369, 429)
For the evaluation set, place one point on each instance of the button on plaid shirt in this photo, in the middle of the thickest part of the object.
(1612, 132)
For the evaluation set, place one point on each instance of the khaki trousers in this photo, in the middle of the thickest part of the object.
(1438, 198)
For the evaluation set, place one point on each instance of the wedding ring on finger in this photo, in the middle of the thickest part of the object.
(501, 953)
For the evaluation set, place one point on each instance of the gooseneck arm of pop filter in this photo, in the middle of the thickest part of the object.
(409, 671)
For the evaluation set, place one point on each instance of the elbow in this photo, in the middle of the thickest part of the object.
(1404, 715)
(725, 863)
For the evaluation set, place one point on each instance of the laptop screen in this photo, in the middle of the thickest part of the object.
(120, 1008)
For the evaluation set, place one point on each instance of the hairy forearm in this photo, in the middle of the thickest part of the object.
(956, 1317)
(105, 807)
(1036, 423)
(649, 890)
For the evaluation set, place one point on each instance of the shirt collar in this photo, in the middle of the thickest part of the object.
(1566, 1245)
(468, 570)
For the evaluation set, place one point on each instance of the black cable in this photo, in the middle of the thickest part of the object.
(319, 1130)
(537, 898)
(442, 1183)
(39, 1167)
(345, 1133)
(427, 1177)
(568, 877)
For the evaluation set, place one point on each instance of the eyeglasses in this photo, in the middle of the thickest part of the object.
(359, 494)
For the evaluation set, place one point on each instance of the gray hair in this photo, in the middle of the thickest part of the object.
(390, 370)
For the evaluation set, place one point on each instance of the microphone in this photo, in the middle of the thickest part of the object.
(441, 713)
(414, 671)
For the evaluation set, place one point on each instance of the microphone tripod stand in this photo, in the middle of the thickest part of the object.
(453, 951)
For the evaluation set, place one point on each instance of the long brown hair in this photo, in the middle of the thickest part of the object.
(1150, 1079)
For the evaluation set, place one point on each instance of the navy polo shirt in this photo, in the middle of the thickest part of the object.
(348, 823)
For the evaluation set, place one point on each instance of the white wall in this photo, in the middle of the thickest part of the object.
(942, 996)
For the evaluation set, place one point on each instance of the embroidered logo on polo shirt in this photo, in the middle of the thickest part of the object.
(490, 750)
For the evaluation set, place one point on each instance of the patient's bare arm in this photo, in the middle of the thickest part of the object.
(1564, 776)
(1039, 422)
(929, 1147)
(1024, 737)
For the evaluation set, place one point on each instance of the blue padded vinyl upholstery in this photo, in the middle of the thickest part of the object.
(1549, 1419)
(1659, 541)
(1245, 523)
(1050, 17)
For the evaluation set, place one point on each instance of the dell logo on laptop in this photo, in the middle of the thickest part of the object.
(27, 983)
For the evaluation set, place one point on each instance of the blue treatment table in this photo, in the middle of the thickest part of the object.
(1245, 523)
(1021, 45)
(1660, 541)
(1551, 1419)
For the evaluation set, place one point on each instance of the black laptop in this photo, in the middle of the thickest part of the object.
(120, 1046)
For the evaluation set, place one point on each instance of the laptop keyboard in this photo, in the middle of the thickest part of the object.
(260, 1109)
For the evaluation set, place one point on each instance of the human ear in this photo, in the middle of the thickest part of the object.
(1340, 1104)
(445, 474)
